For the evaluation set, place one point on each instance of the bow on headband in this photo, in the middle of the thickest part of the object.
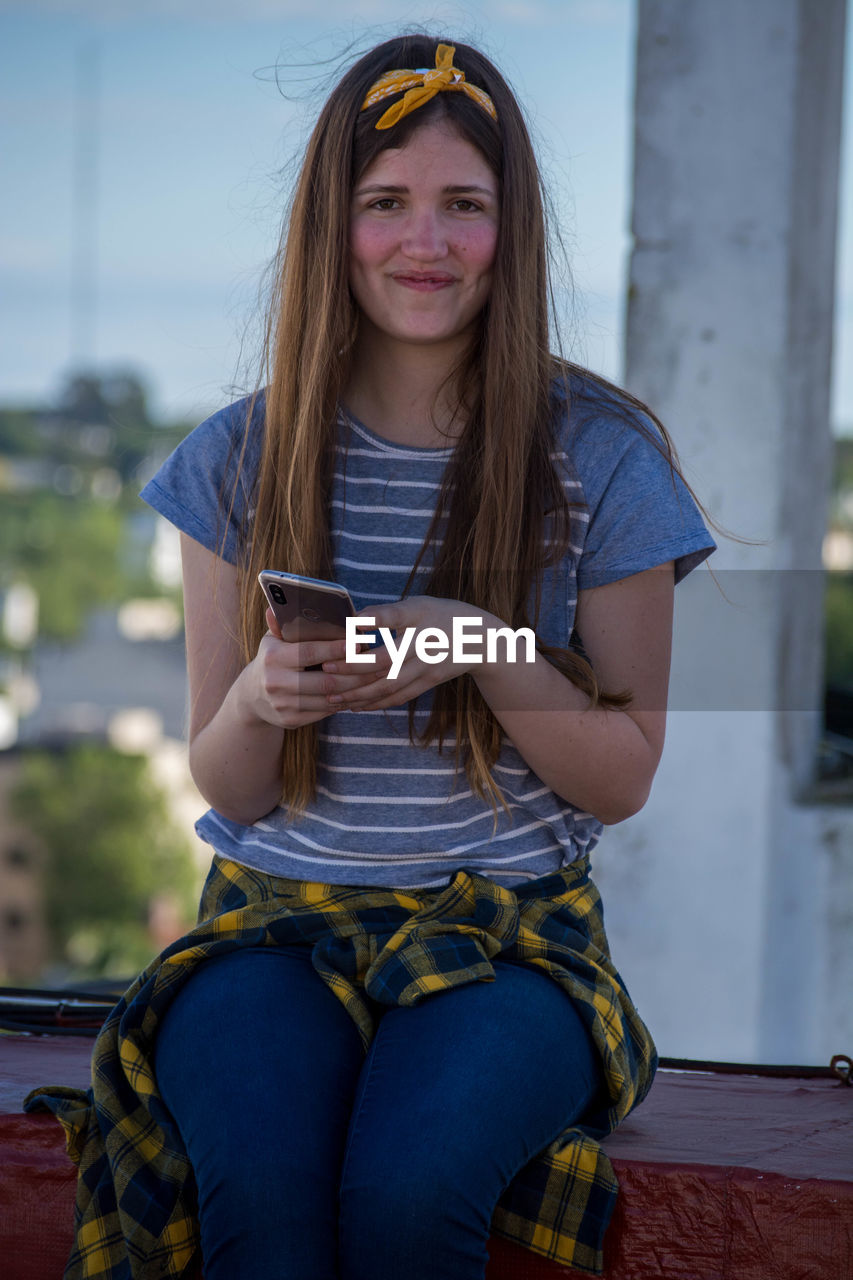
(422, 85)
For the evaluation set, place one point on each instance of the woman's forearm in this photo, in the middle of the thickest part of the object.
(236, 759)
(598, 759)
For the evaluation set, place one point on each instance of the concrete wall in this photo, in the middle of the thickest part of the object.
(726, 894)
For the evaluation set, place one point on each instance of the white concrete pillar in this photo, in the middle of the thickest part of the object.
(716, 892)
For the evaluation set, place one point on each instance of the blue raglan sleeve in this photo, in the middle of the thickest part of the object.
(641, 513)
(205, 486)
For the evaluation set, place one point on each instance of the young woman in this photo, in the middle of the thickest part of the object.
(396, 1029)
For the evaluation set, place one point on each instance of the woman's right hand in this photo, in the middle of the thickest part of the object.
(240, 714)
(283, 690)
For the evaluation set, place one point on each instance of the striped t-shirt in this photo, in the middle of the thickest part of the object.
(387, 812)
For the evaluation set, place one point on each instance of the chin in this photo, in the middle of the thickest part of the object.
(434, 334)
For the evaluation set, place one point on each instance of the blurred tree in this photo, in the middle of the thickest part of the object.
(70, 484)
(112, 852)
(68, 550)
(110, 413)
(97, 420)
(843, 478)
(102, 399)
(838, 605)
(18, 434)
(839, 629)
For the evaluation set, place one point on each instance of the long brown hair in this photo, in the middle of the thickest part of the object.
(502, 481)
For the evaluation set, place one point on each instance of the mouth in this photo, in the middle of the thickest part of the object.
(423, 280)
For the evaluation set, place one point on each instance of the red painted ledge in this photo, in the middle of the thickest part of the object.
(722, 1176)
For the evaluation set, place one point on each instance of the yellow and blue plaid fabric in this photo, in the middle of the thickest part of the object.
(372, 947)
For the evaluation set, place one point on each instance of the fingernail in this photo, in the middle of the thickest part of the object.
(330, 666)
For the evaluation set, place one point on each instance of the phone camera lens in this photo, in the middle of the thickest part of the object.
(277, 594)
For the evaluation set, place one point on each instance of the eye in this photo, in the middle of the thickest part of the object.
(384, 203)
(464, 205)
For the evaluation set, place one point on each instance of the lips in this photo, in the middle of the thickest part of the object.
(423, 280)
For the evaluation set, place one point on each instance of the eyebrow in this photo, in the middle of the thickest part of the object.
(402, 191)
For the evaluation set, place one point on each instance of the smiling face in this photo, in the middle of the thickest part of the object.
(423, 235)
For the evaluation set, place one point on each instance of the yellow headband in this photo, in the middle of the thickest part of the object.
(422, 86)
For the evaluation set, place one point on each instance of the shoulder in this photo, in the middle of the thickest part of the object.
(213, 470)
(599, 430)
(228, 440)
(229, 428)
(637, 510)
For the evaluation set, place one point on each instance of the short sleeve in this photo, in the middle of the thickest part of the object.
(205, 486)
(640, 512)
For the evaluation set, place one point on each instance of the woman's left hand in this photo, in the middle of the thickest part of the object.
(401, 673)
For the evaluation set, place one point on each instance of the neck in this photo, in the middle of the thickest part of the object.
(398, 390)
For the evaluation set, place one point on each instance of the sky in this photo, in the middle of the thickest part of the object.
(194, 111)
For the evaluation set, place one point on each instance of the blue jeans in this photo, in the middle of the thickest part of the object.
(316, 1162)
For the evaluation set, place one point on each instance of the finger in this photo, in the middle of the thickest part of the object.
(287, 685)
(272, 624)
(374, 670)
(397, 698)
(382, 692)
(384, 615)
(289, 689)
(302, 654)
(343, 687)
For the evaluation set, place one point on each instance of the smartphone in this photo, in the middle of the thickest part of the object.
(306, 608)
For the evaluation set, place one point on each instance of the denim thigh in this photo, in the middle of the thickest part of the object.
(313, 1162)
(258, 1063)
(457, 1095)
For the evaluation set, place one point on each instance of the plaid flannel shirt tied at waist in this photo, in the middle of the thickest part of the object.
(372, 947)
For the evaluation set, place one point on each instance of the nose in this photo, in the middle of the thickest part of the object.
(424, 239)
